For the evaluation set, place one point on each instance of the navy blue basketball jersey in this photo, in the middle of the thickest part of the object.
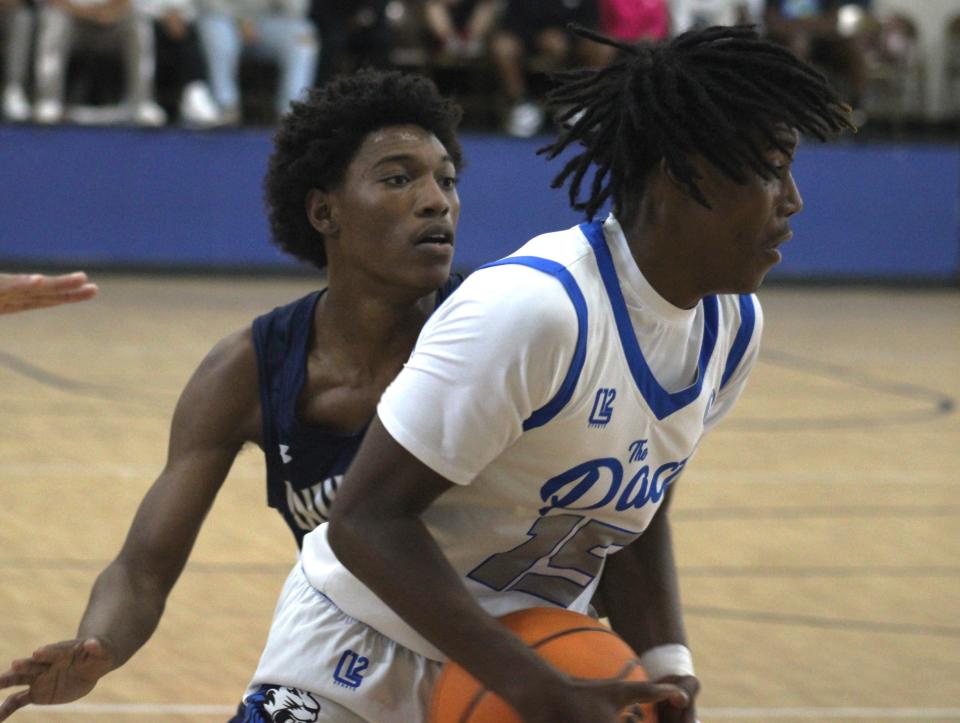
(305, 463)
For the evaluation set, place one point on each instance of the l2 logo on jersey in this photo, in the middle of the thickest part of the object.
(602, 410)
(350, 669)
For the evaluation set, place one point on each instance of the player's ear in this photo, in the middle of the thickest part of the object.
(320, 211)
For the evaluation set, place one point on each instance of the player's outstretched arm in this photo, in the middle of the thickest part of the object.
(217, 412)
(21, 292)
(376, 531)
(643, 576)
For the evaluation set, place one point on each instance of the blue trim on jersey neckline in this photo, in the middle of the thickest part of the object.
(661, 402)
(549, 410)
(748, 320)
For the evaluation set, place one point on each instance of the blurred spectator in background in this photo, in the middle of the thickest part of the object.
(537, 27)
(629, 21)
(97, 25)
(810, 29)
(460, 27)
(698, 14)
(355, 34)
(177, 50)
(17, 20)
(275, 30)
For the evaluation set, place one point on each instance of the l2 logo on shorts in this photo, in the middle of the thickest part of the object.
(350, 669)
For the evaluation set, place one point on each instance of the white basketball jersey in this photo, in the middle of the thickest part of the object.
(562, 453)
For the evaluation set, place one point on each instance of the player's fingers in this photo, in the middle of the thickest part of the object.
(669, 713)
(636, 692)
(20, 281)
(63, 282)
(14, 702)
(26, 303)
(33, 302)
(56, 653)
(29, 667)
(58, 296)
(87, 291)
(35, 286)
(12, 678)
(632, 714)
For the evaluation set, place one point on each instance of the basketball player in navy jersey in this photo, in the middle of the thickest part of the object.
(527, 453)
(362, 183)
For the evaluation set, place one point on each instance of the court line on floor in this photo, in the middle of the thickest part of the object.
(842, 571)
(79, 387)
(941, 714)
(147, 472)
(812, 621)
(707, 714)
(693, 571)
(818, 512)
(935, 403)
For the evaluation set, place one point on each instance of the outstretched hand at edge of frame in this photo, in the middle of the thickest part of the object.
(57, 673)
(21, 292)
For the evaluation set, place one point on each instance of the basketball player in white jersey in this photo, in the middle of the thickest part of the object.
(527, 453)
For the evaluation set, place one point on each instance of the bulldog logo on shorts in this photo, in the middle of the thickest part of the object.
(277, 704)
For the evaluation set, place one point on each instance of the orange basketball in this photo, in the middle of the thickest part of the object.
(574, 643)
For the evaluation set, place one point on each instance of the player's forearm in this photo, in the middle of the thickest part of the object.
(124, 609)
(399, 560)
(640, 590)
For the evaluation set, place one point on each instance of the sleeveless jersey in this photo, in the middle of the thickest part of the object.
(531, 520)
(305, 463)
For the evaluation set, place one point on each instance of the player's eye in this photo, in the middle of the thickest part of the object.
(397, 180)
(780, 166)
(449, 182)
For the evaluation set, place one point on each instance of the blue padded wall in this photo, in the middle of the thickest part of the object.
(97, 196)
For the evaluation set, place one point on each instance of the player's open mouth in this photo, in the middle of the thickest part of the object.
(781, 239)
(439, 234)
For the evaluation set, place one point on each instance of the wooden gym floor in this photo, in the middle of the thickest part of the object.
(818, 530)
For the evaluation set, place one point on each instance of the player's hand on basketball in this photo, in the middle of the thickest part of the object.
(57, 673)
(20, 292)
(596, 701)
(668, 711)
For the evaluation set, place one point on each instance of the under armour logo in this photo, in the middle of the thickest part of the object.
(350, 669)
(284, 448)
(602, 407)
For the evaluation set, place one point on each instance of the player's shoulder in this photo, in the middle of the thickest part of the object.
(281, 319)
(221, 400)
(231, 364)
(529, 275)
(564, 247)
(523, 288)
(510, 295)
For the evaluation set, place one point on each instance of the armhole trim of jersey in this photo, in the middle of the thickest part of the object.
(260, 335)
(549, 410)
(748, 319)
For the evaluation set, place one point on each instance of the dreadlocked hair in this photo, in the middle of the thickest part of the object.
(699, 94)
(320, 135)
